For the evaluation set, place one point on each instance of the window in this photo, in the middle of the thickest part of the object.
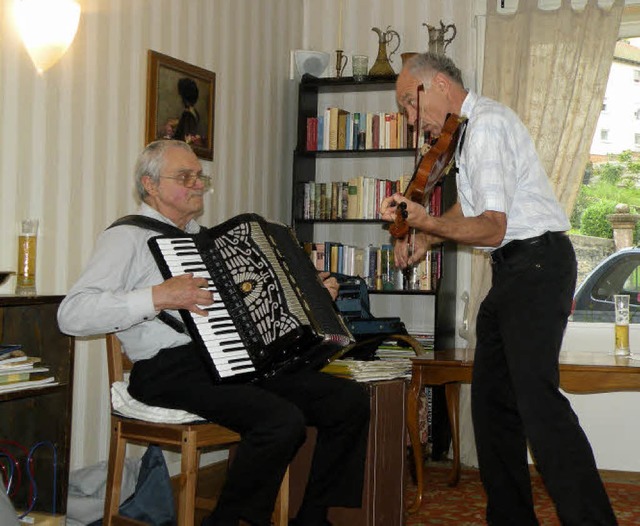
(617, 274)
(636, 75)
(604, 135)
(636, 139)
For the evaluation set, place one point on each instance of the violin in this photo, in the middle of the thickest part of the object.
(430, 169)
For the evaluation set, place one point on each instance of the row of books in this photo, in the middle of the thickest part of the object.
(339, 129)
(18, 371)
(357, 198)
(375, 264)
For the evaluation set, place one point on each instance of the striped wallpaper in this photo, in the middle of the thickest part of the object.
(69, 138)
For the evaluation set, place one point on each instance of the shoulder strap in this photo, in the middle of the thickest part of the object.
(149, 223)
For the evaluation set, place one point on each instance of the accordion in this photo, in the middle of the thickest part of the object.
(271, 313)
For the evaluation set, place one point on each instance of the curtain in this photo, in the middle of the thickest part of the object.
(551, 67)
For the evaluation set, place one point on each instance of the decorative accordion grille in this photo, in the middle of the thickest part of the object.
(249, 258)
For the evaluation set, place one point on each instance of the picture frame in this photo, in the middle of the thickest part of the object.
(180, 103)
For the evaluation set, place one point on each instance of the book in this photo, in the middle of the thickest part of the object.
(336, 117)
(342, 129)
(19, 375)
(18, 362)
(6, 348)
(312, 134)
(320, 256)
(320, 132)
(28, 384)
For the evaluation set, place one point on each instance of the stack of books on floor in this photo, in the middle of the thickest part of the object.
(19, 371)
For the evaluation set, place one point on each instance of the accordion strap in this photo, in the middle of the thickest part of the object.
(149, 223)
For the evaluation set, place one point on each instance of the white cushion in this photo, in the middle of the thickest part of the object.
(124, 404)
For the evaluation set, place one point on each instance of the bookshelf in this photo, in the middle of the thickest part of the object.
(40, 415)
(313, 166)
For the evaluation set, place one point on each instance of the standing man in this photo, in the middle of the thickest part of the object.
(121, 290)
(507, 206)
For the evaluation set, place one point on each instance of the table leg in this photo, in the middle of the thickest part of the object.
(413, 395)
(452, 392)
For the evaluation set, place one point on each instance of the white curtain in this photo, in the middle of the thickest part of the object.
(551, 67)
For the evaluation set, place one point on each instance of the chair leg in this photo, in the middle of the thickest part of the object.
(117, 450)
(188, 479)
(281, 511)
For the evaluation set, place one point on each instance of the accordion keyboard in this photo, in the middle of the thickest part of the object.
(218, 330)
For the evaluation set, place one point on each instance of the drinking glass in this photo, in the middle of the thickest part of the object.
(27, 245)
(621, 302)
(360, 67)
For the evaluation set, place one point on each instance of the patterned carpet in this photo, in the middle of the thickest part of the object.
(464, 505)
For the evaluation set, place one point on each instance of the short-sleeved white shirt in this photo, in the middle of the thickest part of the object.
(499, 169)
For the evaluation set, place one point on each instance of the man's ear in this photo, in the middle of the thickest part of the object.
(441, 82)
(150, 187)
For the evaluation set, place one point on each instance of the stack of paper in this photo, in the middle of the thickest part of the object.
(369, 371)
(19, 371)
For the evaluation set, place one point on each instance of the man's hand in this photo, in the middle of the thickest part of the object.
(407, 252)
(414, 213)
(183, 292)
(330, 283)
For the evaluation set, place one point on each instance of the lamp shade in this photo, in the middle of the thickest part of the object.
(47, 28)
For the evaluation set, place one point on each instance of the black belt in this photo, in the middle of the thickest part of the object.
(512, 248)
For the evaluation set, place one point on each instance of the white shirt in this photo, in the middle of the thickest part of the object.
(499, 170)
(113, 293)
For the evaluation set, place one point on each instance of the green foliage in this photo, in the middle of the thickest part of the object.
(626, 156)
(604, 187)
(593, 221)
(608, 173)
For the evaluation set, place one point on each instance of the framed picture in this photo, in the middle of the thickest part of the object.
(180, 103)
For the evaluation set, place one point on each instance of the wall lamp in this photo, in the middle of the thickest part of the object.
(47, 28)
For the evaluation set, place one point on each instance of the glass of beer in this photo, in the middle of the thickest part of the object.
(621, 302)
(26, 270)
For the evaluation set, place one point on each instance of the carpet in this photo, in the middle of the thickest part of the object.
(464, 505)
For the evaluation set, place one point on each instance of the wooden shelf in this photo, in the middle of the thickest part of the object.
(304, 171)
(39, 415)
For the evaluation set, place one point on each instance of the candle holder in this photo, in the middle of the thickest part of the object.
(341, 63)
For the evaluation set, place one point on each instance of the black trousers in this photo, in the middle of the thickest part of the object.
(271, 418)
(515, 395)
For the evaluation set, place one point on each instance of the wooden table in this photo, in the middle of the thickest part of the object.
(580, 372)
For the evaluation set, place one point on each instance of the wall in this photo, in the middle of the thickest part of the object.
(590, 251)
(69, 138)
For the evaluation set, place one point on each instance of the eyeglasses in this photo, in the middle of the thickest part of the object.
(188, 179)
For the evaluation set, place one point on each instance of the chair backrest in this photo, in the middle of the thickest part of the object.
(117, 361)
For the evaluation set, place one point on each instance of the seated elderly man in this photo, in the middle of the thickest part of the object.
(121, 290)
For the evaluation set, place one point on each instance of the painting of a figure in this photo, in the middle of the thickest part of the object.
(180, 103)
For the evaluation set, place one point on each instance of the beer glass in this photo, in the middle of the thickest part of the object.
(26, 270)
(621, 302)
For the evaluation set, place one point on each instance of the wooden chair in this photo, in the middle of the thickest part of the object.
(189, 438)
